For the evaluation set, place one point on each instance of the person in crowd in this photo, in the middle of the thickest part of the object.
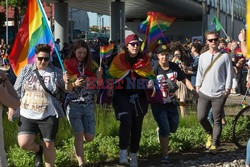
(80, 101)
(192, 70)
(222, 45)
(130, 102)
(239, 64)
(242, 39)
(40, 109)
(213, 82)
(165, 110)
(181, 59)
(9, 98)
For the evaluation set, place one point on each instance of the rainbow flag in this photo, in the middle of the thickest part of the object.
(248, 31)
(153, 27)
(71, 67)
(33, 30)
(120, 68)
(106, 51)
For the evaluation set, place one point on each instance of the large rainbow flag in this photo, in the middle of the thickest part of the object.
(33, 30)
(153, 27)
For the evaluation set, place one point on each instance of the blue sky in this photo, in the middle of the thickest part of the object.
(93, 19)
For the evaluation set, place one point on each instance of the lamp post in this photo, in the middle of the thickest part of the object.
(204, 17)
(232, 20)
(7, 24)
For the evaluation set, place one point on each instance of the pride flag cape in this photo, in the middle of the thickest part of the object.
(106, 51)
(71, 66)
(33, 30)
(119, 67)
(153, 28)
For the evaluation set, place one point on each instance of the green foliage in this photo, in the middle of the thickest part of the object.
(105, 147)
(19, 157)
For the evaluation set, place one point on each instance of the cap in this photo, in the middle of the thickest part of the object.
(163, 48)
(131, 37)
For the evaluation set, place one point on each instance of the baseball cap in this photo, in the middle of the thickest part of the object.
(163, 49)
(130, 38)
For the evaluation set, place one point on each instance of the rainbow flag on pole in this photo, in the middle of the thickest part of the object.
(33, 30)
(153, 27)
(106, 51)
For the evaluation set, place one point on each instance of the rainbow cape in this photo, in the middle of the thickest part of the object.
(33, 30)
(106, 51)
(153, 28)
(119, 67)
(71, 67)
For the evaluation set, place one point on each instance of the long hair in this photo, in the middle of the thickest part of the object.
(139, 54)
(87, 62)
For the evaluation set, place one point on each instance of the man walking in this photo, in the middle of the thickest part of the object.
(213, 82)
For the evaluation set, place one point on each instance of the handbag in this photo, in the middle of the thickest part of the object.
(60, 96)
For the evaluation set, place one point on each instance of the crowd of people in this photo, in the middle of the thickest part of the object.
(173, 72)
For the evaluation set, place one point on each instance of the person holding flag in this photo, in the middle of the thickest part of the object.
(37, 85)
(80, 102)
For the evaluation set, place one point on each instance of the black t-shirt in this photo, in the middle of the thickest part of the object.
(173, 67)
(173, 73)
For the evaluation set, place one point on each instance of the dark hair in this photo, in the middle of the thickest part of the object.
(87, 62)
(127, 57)
(42, 48)
(197, 47)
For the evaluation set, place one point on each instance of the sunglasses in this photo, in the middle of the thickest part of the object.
(134, 43)
(211, 40)
(43, 58)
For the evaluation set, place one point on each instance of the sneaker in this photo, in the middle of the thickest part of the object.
(209, 141)
(39, 157)
(133, 160)
(123, 157)
(165, 160)
(213, 149)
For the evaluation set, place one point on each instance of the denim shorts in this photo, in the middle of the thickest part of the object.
(81, 117)
(48, 127)
(167, 118)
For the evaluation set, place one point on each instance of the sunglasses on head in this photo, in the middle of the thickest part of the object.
(211, 40)
(134, 43)
(43, 58)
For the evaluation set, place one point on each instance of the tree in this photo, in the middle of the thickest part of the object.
(19, 9)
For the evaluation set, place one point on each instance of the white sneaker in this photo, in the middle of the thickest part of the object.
(133, 160)
(123, 157)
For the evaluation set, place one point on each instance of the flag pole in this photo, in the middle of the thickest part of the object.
(224, 32)
(161, 30)
(100, 58)
(50, 33)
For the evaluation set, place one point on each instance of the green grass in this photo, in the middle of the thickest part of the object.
(189, 136)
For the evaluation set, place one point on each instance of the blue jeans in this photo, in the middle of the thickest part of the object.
(167, 118)
(81, 117)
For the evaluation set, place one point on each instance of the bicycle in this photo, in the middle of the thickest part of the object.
(241, 126)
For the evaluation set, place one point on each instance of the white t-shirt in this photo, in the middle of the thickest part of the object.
(36, 102)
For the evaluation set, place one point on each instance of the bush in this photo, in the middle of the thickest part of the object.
(105, 147)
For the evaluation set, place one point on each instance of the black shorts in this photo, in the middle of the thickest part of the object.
(47, 128)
